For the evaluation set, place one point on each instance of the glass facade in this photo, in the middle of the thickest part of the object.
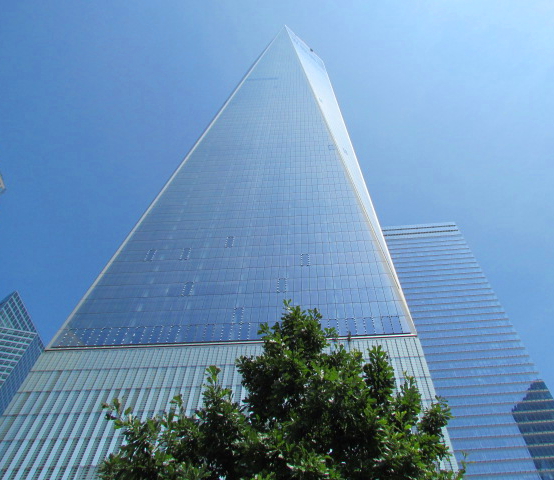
(270, 204)
(503, 412)
(20, 346)
(55, 428)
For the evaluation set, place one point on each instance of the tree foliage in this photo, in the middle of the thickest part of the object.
(314, 410)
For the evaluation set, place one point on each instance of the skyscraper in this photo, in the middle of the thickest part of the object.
(269, 204)
(503, 412)
(20, 346)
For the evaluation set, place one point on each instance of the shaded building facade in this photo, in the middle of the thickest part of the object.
(20, 346)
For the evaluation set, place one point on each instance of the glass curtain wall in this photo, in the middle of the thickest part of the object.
(503, 412)
(270, 204)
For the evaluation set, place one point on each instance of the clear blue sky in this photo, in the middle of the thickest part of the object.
(450, 106)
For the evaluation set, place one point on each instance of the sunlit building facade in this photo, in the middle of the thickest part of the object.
(270, 204)
(503, 412)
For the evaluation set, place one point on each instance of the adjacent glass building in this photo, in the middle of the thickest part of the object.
(269, 204)
(20, 346)
(503, 412)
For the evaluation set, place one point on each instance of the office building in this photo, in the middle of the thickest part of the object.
(503, 412)
(269, 204)
(20, 346)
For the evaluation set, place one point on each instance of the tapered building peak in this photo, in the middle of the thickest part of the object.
(269, 204)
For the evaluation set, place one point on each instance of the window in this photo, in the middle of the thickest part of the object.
(187, 289)
(150, 255)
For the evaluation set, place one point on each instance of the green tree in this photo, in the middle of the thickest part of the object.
(314, 410)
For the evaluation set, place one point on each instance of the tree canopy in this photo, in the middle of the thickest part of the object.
(314, 410)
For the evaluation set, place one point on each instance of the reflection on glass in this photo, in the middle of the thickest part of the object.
(535, 418)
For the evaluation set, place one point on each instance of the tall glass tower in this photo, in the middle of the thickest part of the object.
(503, 412)
(269, 204)
(20, 346)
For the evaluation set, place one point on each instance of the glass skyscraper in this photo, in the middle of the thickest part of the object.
(270, 204)
(20, 346)
(503, 412)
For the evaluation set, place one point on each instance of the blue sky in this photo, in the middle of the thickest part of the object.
(449, 104)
